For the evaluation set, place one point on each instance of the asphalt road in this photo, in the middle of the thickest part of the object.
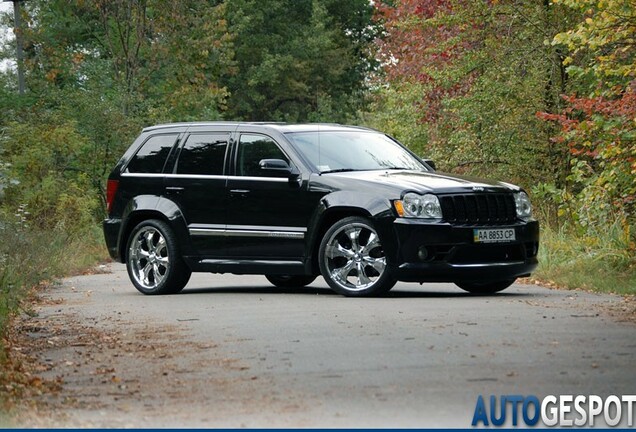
(233, 351)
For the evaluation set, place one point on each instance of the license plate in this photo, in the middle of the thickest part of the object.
(501, 235)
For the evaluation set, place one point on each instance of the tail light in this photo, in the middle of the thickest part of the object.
(111, 190)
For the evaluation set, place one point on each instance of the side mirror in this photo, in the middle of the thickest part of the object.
(275, 165)
(278, 168)
(431, 163)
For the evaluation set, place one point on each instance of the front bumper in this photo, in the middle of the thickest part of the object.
(440, 252)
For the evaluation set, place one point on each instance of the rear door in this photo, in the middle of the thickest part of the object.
(197, 185)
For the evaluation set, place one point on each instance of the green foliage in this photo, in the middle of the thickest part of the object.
(299, 60)
(395, 110)
(30, 255)
(606, 37)
(464, 80)
(48, 161)
(602, 259)
(461, 83)
(476, 73)
(158, 60)
(597, 127)
(97, 71)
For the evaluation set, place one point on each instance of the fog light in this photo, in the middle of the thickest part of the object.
(422, 253)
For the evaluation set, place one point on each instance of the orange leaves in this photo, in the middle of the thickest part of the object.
(424, 40)
(601, 132)
(52, 74)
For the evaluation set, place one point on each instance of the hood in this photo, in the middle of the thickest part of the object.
(425, 182)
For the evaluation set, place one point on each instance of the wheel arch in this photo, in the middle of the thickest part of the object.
(150, 207)
(337, 206)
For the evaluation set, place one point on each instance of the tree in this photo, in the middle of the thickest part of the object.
(483, 69)
(104, 69)
(299, 60)
(598, 125)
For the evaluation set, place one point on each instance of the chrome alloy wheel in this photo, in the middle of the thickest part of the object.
(148, 257)
(354, 257)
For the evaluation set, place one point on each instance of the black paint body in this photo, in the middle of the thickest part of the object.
(274, 224)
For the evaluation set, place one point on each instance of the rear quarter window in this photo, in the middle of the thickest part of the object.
(151, 156)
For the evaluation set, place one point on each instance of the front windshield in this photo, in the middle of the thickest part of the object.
(331, 151)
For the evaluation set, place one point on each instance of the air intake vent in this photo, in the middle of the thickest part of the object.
(479, 208)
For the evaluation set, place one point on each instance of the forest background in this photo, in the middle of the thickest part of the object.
(539, 93)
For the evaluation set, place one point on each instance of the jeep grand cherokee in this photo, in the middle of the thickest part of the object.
(294, 201)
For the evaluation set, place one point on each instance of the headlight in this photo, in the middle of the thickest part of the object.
(419, 206)
(524, 209)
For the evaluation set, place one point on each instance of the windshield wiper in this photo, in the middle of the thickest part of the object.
(339, 170)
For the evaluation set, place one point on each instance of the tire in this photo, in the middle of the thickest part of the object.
(482, 288)
(290, 281)
(153, 260)
(352, 260)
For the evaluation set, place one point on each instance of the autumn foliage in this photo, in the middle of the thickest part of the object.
(598, 125)
(539, 93)
(423, 39)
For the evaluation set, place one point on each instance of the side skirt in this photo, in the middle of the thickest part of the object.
(237, 266)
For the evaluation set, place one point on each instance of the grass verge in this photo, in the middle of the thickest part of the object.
(597, 261)
(28, 258)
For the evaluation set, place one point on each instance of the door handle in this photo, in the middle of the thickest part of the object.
(240, 193)
(174, 188)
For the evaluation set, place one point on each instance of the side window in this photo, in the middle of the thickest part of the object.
(152, 155)
(203, 154)
(252, 149)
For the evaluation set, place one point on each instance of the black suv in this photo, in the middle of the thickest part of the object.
(294, 201)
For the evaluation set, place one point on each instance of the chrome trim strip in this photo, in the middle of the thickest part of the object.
(197, 176)
(125, 174)
(206, 232)
(270, 179)
(278, 234)
(264, 228)
(256, 261)
(206, 176)
(207, 226)
(246, 233)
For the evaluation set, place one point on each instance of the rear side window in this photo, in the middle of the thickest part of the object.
(203, 154)
(152, 155)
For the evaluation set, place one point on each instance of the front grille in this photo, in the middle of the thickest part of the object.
(479, 208)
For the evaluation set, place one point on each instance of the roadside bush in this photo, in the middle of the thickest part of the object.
(47, 168)
(31, 254)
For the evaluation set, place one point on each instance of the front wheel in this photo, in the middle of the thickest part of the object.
(485, 287)
(352, 260)
(153, 261)
(290, 281)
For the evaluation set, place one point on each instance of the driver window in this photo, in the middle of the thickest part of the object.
(252, 149)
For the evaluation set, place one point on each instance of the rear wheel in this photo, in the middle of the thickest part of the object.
(290, 281)
(352, 259)
(485, 287)
(153, 261)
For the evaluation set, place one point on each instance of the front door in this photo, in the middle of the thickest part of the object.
(267, 213)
